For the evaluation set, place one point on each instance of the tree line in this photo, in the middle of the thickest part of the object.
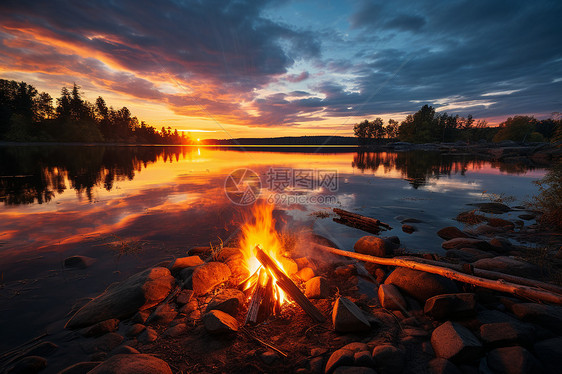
(428, 126)
(27, 115)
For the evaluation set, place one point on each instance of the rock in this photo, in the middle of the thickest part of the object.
(124, 350)
(269, 357)
(391, 298)
(411, 220)
(78, 262)
(354, 370)
(500, 222)
(506, 333)
(304, 262)
(408, 229)
(81, 367)
(451, 232)
(194, 316)
(456, 343)
(442, 366)
(217, 322)
(341, 357)
(184, 297)
(101, 328)
(508, 265)
(134, 330)
(185, 262)
(42, 349)
(549, 352)
(289, 265)
(356, 347)
(501, 244)
(140, 317)
(28, 365)
(316, 365)
(374, 246)
(317, 288)
(420, 285)
(209, 275)
(347, 317)
(468, 254)
(457, 305)
(363, 358)
(189, 307)
(141, 291)
(305, 274)
(228, 301)
(148, 335)
(104, 343)
(163, 315)
(487, 230)
(132, 364)
(527, 217)
(458, 243)
(494, 208)
(177, 330)
(548, 316)
(513, 360)
(388, 359)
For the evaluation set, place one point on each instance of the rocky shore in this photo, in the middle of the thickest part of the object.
(187, 315)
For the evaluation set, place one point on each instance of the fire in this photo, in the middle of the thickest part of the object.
(260, 231)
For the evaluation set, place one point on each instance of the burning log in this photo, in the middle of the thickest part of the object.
(368, 224)
(287, 285)
(527, 292)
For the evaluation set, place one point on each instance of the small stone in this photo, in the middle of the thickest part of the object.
(408, 229)
(303, 262)
(317, 288)
(289, 265)
(316, 365)
(391, 298)
(148, 335)
(228, 301)
(363, 358)
(458, 243)
(341, 357)
(140, 317)
(134, 330)
(347, 317)
(101, 328)
(451, 232)
(163, 315)
(513, 360)
(388, 359)
(457, 305)
(127, 363)
(442, 366)
(177, 330)
(208, 276)
(104, 343)
(269, 357)
(195, 315)
(185, 262)
(29, 364)
(305, 274)
(184, 297)
(78, 262)
(189, 307)
(217, 322)
(527, 217)
(500, 222)
(124, 350)
(356, 347)
(81, 367)
(456, 343)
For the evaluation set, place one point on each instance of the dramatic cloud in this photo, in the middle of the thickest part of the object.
(275, 64)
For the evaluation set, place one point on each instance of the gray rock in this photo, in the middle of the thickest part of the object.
(456, 343)
(185, 262)
(458, 243)
(317, 288)
(391, 298)
(513, 360)
(78, 262)
(389, 359)
(508, 265)
(457, 305)
(451, 232)
(442, 366)
(228, 301)
(420, 285)
(101, 328)
(374, 246)
(347, 317)
(132, 364)
(341, 357)
(506, 333)
(208, 276)
(28, 365)
(217, 322)
(548, 316)
(139, 292)
(549, 352)
(81, 367)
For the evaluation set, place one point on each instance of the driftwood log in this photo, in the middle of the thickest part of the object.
(368, 224)
(287, 285)
(525, 292)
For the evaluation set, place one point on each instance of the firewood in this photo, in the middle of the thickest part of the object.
(526, 292)
(256, 299)
(287, 285)
(364, 223)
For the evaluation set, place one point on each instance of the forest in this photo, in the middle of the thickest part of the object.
(27, 115)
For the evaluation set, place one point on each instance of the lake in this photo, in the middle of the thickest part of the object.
(131, 207)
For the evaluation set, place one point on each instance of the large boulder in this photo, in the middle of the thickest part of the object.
(451, 232)
(141, 291)
(420, 285)
(209, 275)
(347, 317)
(513, 360)
(132, 364)
(374, 246)
(456, 343)
(457, 305)
(508, 265)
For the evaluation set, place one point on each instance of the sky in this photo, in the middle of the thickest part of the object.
(222, 69)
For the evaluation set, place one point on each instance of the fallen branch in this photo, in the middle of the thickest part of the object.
(368, 224)
(522, 291)
(245, 331)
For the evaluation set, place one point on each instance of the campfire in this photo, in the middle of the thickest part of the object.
(268, 283)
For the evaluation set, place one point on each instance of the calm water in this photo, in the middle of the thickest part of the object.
(130, 207)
